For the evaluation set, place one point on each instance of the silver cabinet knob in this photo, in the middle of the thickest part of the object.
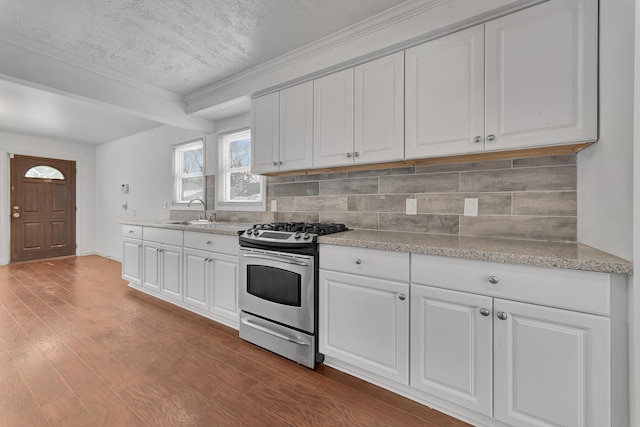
(348, 155)
(402, 297)
(209, 242)
(502, 315)
(358, 261)
(279, 162)
(485, 312)
(139, 246)
(275, 163)
(491, 137)
(356, 154)
(477, 139)
(130, 231)
(493, 280)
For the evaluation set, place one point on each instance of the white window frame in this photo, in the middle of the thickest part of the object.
(176, 177)
(221, 182)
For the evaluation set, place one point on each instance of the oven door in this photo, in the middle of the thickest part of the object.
(278, 286)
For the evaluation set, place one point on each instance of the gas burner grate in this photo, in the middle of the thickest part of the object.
(320, 229)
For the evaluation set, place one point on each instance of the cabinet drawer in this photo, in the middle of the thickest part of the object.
(161, 235)
(132, 231)
(366, 262)
(211, 242)
(571, 289)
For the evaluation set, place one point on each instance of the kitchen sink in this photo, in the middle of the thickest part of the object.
(193, 222)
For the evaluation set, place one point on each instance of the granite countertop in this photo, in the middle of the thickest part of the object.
(226, 228)
(573, 256)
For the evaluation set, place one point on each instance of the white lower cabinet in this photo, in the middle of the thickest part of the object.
(451, 346)
(365, 322)
(132, 260)
(552, 367)
(162, 268)
(211, 278)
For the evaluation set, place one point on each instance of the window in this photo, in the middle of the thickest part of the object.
(44, 172)
(188, 172)
(238, 188)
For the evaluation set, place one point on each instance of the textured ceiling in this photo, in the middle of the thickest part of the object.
(182, 45)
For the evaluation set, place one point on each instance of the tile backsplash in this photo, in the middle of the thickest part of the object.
(532, 198)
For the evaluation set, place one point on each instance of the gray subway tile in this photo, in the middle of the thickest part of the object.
(424, 223)
(453, 203)
(382, 172)
(358, 220)
(378, 203)
(568, 159)
(419, 183)
(523, 179)
(349, 186)
(283, 204)
(297, 217)
(321, 203)
(294, 189)
(551, 228)
(468, 166)
(280, 179)
(551, 203)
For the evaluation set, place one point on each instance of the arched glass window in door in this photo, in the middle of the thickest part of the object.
(44, 172)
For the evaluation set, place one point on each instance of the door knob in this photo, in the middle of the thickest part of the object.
(16, 215)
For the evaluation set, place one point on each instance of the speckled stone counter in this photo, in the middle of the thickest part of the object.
(227, 228)
(573, 256)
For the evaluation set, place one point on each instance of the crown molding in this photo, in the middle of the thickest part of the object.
(39, 48)
(409, 23)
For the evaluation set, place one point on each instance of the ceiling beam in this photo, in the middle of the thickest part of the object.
(36, 65)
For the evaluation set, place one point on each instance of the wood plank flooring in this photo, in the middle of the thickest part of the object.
(78, 347)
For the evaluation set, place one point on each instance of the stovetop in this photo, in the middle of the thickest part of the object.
(287, 234)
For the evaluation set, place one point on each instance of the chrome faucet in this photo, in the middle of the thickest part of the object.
(204, 207)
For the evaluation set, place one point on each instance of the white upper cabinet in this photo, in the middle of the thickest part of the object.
(528, 79)
(296, 127)
(445, 95)
(333, 119)
(379, 110)
(541, 75)
(282, 130)
(265, 133)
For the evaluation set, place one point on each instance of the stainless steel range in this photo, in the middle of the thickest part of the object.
(279, 288)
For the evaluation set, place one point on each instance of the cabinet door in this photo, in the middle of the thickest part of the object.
(542, 75)
(224, 295)
(196, 278)
(171, 271)
(132, 260)
(379, 110)
(151, 266)
(333, 119)
(445, 95)
(551, 366)
(452, 346)
(364, 322)
(265, 133)
(296, 127)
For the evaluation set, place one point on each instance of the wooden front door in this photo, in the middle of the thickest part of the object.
(43, 208)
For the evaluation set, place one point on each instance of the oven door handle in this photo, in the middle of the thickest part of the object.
(266, 330)
(276, 259)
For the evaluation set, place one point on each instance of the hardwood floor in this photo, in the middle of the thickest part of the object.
(78, 347)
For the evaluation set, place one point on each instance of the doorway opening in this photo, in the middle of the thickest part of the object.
(43, 208)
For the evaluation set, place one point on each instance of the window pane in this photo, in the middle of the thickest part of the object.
(192, 161)
(44, 172)
(244, 186)
(239, 153)
(192, 188)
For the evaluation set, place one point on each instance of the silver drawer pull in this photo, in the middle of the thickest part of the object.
(209, 242)
(493, 280)
(261, 328)
(485, 312)
(502, 315)
(402, 297)
(130, 231)
(358, 261)
(276, 259)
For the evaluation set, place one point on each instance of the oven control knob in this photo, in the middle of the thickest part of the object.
(306, 236)
(297, 235)
(249, 232)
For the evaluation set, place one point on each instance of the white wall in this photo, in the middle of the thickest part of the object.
(144, 162)
(84, 155)
(605, 170)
